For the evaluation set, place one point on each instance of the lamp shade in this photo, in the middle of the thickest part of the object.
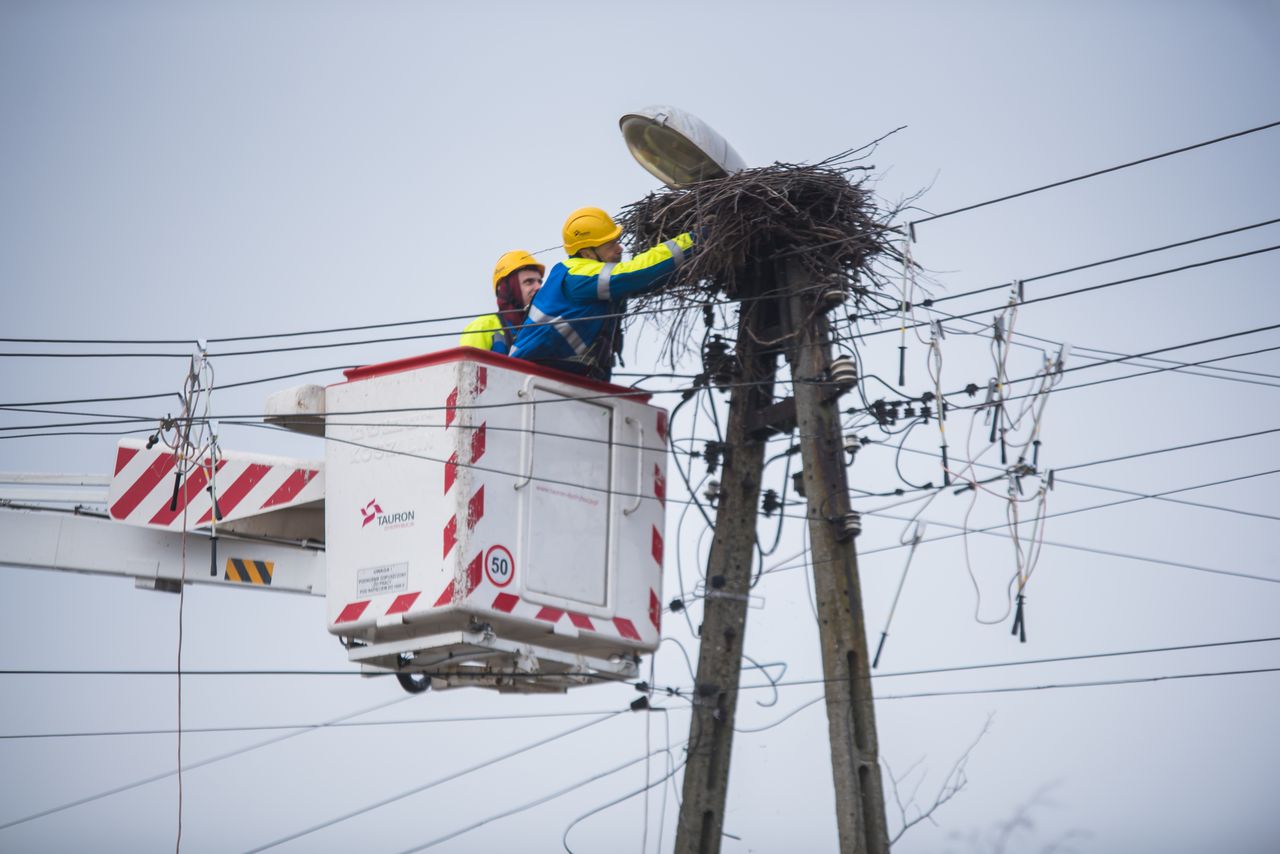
(677, 147)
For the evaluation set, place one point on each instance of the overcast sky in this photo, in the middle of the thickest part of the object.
(196, 170)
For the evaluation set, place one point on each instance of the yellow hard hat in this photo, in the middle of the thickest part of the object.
(516, 259)
(588, 227)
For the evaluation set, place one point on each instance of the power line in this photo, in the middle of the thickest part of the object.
(994, 531)
(1090, 265)
(1156, 496)
(433, 783)
(1119, 360)
(186, 730)
(933, 301)
(193, 765)
(1024, 688)
(1080, 350)
(534, 803)
(997, 531)
(329, 345)
(139, 341)
(158, 395)
(1077, 291)
(1184, 447)
(1093, 684)
(95, 355)
(1095, 173)
(1106, 380)
(1081, 657)
(480, 718)
(1183, 502)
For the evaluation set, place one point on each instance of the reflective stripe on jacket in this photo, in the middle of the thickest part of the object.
(570, 321)
(485, 333)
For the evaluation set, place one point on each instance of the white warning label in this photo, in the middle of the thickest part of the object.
(388, 578)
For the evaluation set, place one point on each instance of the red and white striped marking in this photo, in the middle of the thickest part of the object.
(620, 627)
(475, 512)
(478, 440)
(477, 387)
(355, 610)
(142, 486)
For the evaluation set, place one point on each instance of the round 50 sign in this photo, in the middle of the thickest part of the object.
(499, 566)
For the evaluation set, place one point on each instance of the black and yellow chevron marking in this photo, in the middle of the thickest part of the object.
(249, 571)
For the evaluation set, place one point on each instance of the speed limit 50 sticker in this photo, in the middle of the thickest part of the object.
(499, 566)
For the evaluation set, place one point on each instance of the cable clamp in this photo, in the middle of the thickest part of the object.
(1020, 620)
(1063, 353)
(724, 594)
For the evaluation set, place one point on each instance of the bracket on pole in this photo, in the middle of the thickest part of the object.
(776, 418)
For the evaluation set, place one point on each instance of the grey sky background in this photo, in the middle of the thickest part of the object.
(192, 170)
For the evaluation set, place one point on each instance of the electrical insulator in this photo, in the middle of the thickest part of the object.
(852, 443)
(711, 453)
(714, 349)
(850, 525)
(844, 373)
(718, 362)
(831, 299)
(712, 491)
(770, 503)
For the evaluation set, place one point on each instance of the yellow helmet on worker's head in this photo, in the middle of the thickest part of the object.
(589, 227)
(516, 259)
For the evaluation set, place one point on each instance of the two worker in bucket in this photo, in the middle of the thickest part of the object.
(574, 321)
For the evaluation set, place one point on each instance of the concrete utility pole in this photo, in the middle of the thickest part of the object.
(706, 775)
(851, 718)
(797, 318)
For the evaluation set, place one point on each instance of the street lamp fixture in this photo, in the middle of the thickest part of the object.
(677, 147)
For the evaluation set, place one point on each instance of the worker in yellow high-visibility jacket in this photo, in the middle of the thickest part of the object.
(516, 278)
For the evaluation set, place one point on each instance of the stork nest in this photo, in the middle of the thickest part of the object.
(822, 216)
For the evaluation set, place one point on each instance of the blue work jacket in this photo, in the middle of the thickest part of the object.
(574, 316)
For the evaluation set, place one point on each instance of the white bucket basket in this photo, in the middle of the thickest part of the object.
(491, 522)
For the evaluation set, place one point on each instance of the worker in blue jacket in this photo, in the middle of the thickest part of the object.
(574, 321)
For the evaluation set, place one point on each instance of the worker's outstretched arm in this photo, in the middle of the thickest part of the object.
(589, 281)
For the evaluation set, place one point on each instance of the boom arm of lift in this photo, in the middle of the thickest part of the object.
(40, 538)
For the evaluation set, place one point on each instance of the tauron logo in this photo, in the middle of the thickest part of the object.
(373, 512)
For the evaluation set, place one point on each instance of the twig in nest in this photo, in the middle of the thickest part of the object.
(821, 215)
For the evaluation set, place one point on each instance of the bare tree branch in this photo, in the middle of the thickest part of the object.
(952, 784)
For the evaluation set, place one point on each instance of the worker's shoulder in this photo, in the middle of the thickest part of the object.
(484, 322)
(581, 267)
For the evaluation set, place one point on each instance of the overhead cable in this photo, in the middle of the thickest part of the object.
(436, 782)
(1088, 289)
(1096, 173)
(203, 762)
